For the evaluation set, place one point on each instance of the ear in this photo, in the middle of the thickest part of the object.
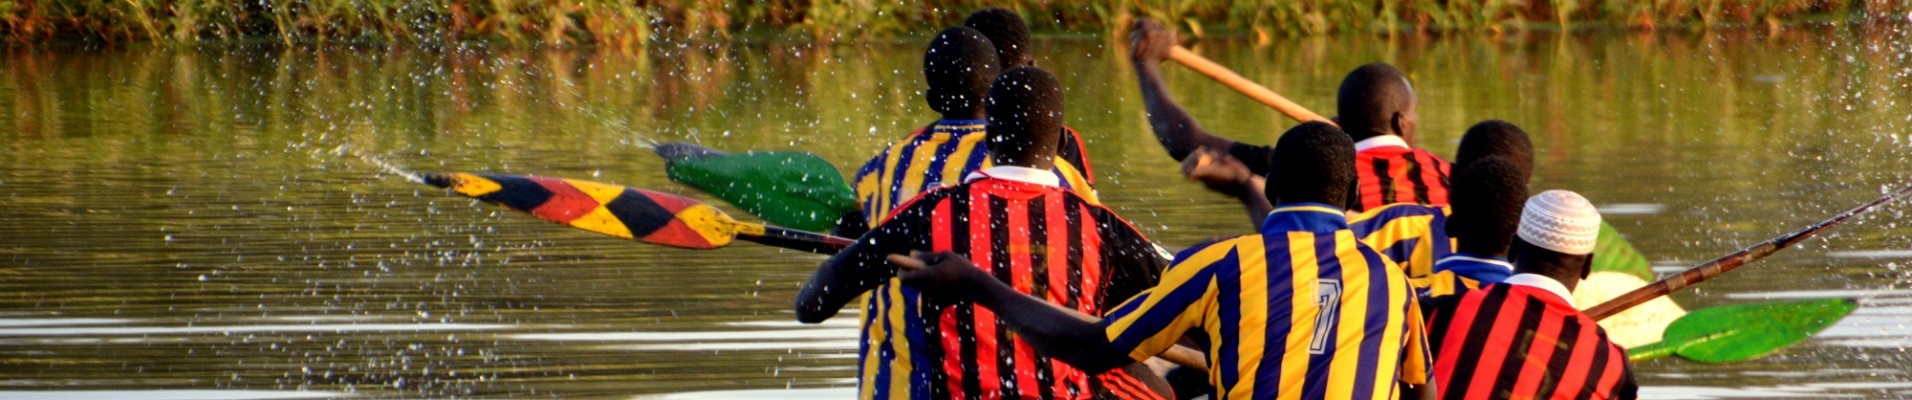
(1398, 123)
(1586, 268)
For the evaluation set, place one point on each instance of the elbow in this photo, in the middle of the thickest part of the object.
(810, 310)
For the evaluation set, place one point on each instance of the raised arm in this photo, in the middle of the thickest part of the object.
(1149, 45)
(1060, 333)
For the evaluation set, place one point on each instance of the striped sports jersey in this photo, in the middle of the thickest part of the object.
(1387, 171)
(1389, 175)
(942, 154)
(1302, 310)
(1517, 341)
(1040, 239)
(1412, 235)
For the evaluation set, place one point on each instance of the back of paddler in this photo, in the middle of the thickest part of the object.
(958, 66)
(1025, 230)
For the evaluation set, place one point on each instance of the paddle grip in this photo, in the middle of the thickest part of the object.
(798, 240)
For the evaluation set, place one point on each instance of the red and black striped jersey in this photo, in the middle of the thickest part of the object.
(1043, 240)
(1385, 173)
(1395, 174)
(1522, 342)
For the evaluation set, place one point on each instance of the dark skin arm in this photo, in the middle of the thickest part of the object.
(1060, 333)
(1227, 175)
(1179, 134)
(854, 270)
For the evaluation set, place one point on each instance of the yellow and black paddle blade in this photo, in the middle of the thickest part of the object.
(618, 211)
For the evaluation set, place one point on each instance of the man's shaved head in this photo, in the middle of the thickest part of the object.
(1375, 100)
(958, 66)
(1007, 31)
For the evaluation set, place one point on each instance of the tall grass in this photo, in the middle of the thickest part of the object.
(634, 22)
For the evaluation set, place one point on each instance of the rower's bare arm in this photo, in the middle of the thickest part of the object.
(1174, 128)
(1224, 174)
(1064, 334)
(851, 272)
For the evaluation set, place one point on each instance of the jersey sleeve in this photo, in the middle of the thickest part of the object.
(1153, 320)
(1073, 151)
(1417, 359)
(1259, 159)
(1134, 262)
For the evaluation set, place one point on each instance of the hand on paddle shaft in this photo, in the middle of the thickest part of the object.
(1152, 43)
(1720, 265)
(1223, 173)
(643, 215)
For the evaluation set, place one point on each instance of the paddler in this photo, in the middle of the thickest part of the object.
(1015, 219)
(1299, 310)
(1377, 110)
(1523, 338)
(1466, 240)
(959, 65)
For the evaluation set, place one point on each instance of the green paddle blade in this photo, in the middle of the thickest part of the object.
(1611, 252)
(1744, 331)
(793, 189)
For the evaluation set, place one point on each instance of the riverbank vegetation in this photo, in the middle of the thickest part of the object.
(635, 22)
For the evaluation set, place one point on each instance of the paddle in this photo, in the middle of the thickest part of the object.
(1744, 331)
(617, 211)
(794, 189)
(1728, 262)
(1247, 87)
(1615, 253)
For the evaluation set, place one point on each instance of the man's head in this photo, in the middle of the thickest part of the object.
(959, 66)
(1007, 31)
(1025, 118)
(1496, 138)
(1487, 198)
(1556, 236)
(1314, 163)
(1376, 100)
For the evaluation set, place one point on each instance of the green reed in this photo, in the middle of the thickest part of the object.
(634, 22)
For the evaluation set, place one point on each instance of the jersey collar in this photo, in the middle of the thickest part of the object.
(1310, 217)
(1467, 257)
(1542, 282)
(1018, 174)
(960, 124)
(1380, 141)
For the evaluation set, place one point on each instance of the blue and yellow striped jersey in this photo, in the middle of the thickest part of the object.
(1301, 310)
(941, 155)
(1414, 236)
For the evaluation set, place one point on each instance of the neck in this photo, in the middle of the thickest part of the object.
(1042, 163)
(1484, 250)
(963, 114)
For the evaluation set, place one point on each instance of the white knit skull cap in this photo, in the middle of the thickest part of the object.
(1561, 221)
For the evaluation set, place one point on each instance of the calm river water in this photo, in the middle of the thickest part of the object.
(173, 223)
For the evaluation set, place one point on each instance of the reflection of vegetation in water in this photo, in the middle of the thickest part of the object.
(626, 23)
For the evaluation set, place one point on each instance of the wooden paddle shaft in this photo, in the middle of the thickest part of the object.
(1247, 87)
(793, 239)
(1720, 265)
